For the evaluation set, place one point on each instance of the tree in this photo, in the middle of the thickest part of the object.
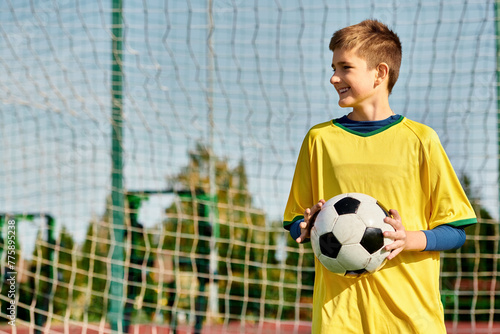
(247, 270)
(68, 289)
(93, 262)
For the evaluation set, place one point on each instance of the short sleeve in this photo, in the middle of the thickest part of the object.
(449, 202)
(300, 196)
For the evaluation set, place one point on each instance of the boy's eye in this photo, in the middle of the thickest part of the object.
(345, 67)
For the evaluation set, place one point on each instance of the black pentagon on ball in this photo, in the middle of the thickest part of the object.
(373, 239)
(329, 245)
(347, 205)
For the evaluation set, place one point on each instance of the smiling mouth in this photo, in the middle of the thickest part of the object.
(343, 90)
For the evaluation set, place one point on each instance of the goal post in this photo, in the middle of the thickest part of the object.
(116, 288)
(497, 72)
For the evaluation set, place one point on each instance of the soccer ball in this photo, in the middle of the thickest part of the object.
(347, 236)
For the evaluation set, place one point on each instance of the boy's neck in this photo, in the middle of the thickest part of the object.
(371, 114)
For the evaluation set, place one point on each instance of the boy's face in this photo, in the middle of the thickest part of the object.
(353, 80)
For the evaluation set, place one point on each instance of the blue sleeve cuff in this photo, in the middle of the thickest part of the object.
(295, 230)
(444, 237)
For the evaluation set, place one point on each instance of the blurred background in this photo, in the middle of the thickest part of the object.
(147, 150)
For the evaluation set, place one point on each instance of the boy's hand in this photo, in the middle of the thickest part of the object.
(399, 236)
(403, 240)
(309, 218)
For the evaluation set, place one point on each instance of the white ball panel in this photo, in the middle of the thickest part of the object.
(387, 241)
(371, 214)
(353, 257)
(332, 265)
(377, 261)
(349, 229)
(325, 220)
(315, 242)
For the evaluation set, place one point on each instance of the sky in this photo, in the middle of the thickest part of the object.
(250, 80)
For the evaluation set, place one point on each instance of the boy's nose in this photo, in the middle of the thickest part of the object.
(334, 79)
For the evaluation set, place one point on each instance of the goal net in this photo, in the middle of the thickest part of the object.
(147, 149)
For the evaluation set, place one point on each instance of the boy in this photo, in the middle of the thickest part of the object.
(399, 162)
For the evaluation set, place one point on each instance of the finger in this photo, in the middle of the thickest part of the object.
(395, 221)
(394, 245)
(303, 224)
(391, 221)
(313, 219)
(307, 214)
(317, 206)
(394, 253)
(320, 204)
(390, 235)
(315, 210)
(301, 238)
(395, 214)
(305, 233)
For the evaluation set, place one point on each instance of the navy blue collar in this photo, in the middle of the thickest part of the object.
(366, 126)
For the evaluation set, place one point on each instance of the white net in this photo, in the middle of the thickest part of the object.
(216, 98)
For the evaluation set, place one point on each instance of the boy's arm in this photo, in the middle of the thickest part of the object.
(407, 240)
(443, 237)
(301, 190)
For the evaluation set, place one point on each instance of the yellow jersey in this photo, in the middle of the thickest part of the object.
(404, 166)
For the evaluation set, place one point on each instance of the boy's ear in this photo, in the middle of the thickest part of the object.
(382, 73)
